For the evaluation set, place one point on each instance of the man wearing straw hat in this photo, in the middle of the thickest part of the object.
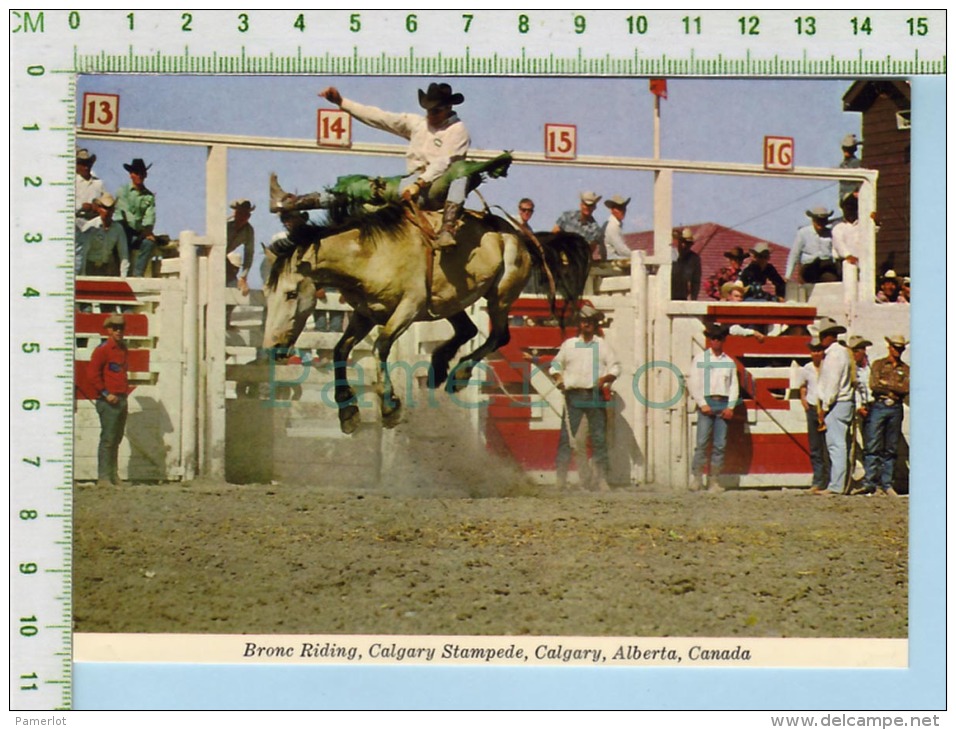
(582, 222)
(836, 389)
(584, 366)
(102, 242)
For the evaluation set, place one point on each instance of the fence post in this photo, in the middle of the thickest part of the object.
(188, 241)
(215, 328)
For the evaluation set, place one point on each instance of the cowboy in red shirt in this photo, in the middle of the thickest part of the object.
(109, 368)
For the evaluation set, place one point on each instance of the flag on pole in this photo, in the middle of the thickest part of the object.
(659, 87)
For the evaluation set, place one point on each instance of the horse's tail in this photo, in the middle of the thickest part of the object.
(568, 257)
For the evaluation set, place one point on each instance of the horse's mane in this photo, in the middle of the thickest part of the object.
(372, 224)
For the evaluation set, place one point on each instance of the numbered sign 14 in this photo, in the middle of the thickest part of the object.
(560, 141)
(334, 128)
(100, 112)
(778, 153)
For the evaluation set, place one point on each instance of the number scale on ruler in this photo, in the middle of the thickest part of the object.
(49, 47)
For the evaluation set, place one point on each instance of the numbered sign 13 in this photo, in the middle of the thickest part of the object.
(100, 112)
(334, 128)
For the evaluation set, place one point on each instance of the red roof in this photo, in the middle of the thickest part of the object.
(711, 241)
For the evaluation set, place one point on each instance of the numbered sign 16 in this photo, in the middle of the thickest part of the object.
(778, 153)
(100, 112)
(335, 128)
(560, 141)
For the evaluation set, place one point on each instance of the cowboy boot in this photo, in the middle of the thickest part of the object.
(449, 221)
(280, 200)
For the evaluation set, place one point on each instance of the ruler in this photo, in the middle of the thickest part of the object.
(49, 48)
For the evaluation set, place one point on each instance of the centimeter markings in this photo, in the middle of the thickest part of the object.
(49, 48)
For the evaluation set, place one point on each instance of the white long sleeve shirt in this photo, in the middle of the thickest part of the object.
(614, 240)
(430, 150)
(582, 364)
(713, 375)
(836, 376)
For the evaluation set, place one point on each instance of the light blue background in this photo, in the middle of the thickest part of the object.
(921, 687)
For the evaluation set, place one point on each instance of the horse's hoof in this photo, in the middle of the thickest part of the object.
(392, 417)
(349, 419)
(459, 379)
(437, 375)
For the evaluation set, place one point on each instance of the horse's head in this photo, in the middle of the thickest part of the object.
(290, 300)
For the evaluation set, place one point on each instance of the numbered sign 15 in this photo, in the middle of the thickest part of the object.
(334, 128)
(100, 112)
(778, 153)
(560, 141)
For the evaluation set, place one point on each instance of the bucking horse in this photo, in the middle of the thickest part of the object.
(383, 264)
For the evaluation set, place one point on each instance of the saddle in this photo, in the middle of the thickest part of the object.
(368, 190)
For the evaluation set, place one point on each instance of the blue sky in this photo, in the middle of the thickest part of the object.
(702, 119)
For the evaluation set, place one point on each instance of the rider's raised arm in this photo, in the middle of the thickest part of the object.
(401, 124)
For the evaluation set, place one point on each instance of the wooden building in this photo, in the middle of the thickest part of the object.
(885, 106)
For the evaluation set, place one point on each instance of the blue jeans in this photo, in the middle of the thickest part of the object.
(838, 423)
(881, 438)
(711, 429)
(584, 403)
(112, 428)
(819, 458)
(140, 250)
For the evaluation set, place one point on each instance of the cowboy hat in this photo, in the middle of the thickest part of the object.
(137, 166)
(761, 249)
(820, 213)
(617, 201)
(814, 343)
(716, 331)
(242, 204)
(896, 340)
(106, 200)
(588, 312)
(850, 140)
(83, 156)
(115, 321)
(438, 95)
(890, 275)
(730, 286)
(856, 342)
(687, 235)
(736, 254)
(826, 326)
(590, 198)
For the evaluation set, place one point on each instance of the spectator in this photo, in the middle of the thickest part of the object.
(525, 211)
(584, 369)
(105, 251)
(136, 212)
(713, 386)
(889, 291)
(813, 250)
(808, 378)
(435, 140)
(889, 386)
(760, 271)
(614, 243)
(849, 162)
(733, 291)
(87, 188)
(861, 384)
(904, 295)
(685, 270)
(713, 287)
(847, 235)
(582, 222)
(109, 376)
(836, 393)
(240, 245)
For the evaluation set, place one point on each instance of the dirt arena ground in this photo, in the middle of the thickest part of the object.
(437, 558)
